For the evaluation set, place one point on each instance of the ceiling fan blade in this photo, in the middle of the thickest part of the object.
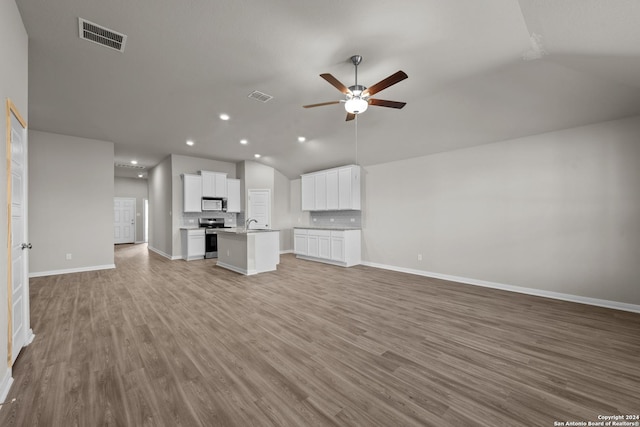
(336, 83)
(383, 103)
(350, 116)
(321, 104)
(383, 84)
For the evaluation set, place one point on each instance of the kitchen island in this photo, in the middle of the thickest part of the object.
(250, 251)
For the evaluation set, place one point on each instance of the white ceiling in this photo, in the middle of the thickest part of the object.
(187, 61)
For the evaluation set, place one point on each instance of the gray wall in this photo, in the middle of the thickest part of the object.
(556, 212)
(13, 84)
(138, 189)
(160, 208)
(70, 203)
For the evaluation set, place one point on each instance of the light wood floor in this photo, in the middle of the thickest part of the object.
(173, 343)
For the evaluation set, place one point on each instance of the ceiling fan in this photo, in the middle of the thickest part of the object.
(358, 97)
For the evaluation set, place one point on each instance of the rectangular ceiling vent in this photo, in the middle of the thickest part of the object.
(259, 96)
(100, 35)
(129, 166)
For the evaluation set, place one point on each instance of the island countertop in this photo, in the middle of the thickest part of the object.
(242, 230)
(313, 227)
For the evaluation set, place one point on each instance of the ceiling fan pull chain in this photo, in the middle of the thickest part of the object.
(356, 139)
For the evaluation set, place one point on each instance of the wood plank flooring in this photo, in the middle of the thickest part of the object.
(173, 343)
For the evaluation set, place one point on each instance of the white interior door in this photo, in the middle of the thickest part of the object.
(260, 208)
(21, 334)
(124, 220)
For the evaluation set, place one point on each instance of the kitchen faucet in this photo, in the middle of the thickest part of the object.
(249, 221)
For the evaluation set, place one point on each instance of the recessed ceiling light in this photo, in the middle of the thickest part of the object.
(224, 116)
(301, 139)
(134, 162)
(190, 143)
(140, 175)
(257, 156)
(244, 142)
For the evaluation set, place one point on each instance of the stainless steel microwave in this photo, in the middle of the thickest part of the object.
(217, 204)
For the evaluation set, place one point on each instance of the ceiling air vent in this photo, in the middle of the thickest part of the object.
(259, 96)
(129, 166)
(100, 35)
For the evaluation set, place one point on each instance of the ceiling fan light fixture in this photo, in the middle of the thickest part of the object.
(356, 105)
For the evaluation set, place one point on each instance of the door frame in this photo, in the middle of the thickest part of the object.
(12, 111)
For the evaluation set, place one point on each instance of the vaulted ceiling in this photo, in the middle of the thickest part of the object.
(479, 71)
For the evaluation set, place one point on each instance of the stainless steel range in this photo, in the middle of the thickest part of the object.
(211, 226)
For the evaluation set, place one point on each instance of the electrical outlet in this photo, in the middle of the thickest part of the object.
(353, 220)
(419, 257)
(68, 257)
(331, 220)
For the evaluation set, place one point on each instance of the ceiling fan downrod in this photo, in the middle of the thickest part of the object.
(356, 60)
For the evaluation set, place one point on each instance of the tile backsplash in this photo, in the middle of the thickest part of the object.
(336, 219)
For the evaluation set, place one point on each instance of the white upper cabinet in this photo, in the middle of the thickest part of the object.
(192, 192)
(321, 191)
(349, 188)
(308, 192)
(332, 189)
(214, 184)
(233, 195)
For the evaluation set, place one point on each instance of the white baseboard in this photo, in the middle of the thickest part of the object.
(240, 270)
(30, 337)
(324, 261)
(164, 254)
(71, 270)
(232, 268)
(287, 251)
(519, 289)
(5, 385)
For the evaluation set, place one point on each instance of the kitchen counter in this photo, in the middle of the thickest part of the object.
(327, 228)
(242, 230)
(250, 251)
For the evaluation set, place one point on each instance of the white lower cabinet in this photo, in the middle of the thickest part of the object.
(324, 246)
(312, 248)
(193, 243)
(300, 242)
(339, 247)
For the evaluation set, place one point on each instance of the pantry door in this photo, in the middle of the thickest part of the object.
(260, 208)
(18, 246)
